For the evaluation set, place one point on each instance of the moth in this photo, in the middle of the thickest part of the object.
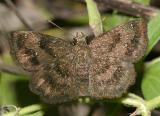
(63, 71)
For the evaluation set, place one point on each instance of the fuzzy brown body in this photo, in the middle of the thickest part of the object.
(63, 71)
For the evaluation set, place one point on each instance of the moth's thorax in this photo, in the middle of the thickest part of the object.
(82, 66)
(82, 57)
(80, 39)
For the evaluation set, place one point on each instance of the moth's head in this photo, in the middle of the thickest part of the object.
(79, 39)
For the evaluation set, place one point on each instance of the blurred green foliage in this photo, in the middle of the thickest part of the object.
(151, 79)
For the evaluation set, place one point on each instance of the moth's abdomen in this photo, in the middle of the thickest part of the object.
(82, 63)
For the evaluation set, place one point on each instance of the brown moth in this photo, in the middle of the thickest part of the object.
(63, 71)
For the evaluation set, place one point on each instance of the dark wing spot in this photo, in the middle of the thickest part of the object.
(61, 72)
(33, 56)
(20, 42)
(116, 76)
(132, 46)
(56, 67)
(116, 40)
(135, 41)
(44, 44)
(50, 80)
(34, 61)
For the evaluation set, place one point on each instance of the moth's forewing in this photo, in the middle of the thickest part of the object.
(125, 42)
(48, 59)
(114, 53)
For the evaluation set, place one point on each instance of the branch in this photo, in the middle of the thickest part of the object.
(12, 69)
(130, 7)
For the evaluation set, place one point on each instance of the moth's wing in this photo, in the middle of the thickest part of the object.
(53, 85)
(31, 49)
(125, 42)
(113, 55)
(47, 58)
(113, 81)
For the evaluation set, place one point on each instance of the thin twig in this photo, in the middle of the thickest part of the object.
(12, 69)
(128, 7)
(12, 6)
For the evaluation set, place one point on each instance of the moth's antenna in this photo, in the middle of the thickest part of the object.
(74, 37)
(55, 25)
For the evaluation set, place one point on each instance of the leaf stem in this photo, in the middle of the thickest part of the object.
(143, 107)
(153, 103)
(95, 21)
(26, 110)
(136, 101)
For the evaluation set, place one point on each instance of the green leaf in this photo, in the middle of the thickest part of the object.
(8, 92)
(94, 17)
(153, 32)
(151, 79)
(39, 113)
(113, 109)
(114, 20)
